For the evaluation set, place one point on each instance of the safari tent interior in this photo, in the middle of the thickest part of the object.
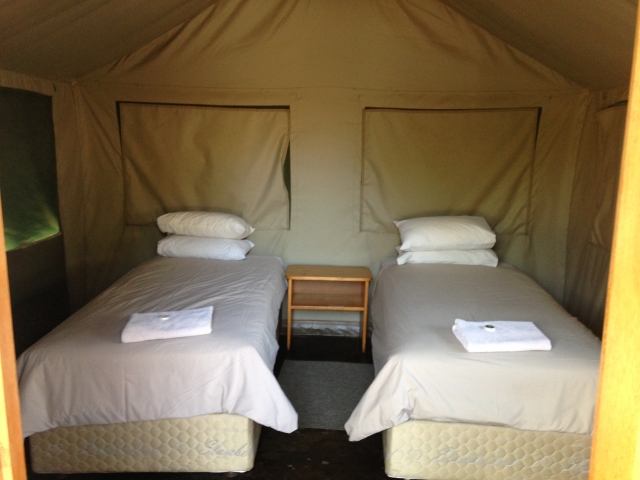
(320, 123)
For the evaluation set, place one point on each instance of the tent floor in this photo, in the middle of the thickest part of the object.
(308, 454)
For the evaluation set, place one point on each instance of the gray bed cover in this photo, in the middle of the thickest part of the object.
(423, 372)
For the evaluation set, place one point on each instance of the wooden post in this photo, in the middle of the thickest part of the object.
(12, 464)
(616, 442)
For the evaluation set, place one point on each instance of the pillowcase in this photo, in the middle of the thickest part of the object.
(205, 224)
(201, 247)
(445, 233)
(485, 257)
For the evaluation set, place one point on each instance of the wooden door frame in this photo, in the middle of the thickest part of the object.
(12, 461)
(616, 440)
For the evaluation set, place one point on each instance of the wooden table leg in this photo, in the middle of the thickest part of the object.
(364, 316)
(289, 319)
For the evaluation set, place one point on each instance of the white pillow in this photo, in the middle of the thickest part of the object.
(205, 224)
(445, 233)
(201, 247)
(458, 257)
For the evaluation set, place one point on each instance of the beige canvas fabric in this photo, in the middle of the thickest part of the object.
(611, 122)
(327, 62)
(591, 43)
(25, 82)
(178, 158)
(66, 39)
(432, 162)
(593, 207)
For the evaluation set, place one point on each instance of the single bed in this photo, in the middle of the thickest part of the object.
(91, 403)
(449, 414)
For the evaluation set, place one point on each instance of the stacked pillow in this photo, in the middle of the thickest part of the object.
(210, 235)
(460, 240)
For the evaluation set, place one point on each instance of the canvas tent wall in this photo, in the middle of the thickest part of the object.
(328, 63)
(356, 81)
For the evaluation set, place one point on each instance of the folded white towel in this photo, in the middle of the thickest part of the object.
(500, 336)
(161, 325)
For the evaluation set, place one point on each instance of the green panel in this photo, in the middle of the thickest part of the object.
(28, 181)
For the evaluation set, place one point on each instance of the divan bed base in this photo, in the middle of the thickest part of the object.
(208, 443)
(423, 449)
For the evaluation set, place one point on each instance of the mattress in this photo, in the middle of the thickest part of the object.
(81, 374)
(423, 373)
(457, 451)
(209, 443)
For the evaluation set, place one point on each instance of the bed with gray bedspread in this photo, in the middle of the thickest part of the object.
(81, 374)
(423, 374)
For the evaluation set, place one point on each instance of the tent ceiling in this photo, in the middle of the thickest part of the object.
(66, 39)
(588, 41)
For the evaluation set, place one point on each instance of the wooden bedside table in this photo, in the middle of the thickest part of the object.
(324, 287)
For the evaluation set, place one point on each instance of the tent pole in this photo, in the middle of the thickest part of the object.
(616, 441)
(12, 461)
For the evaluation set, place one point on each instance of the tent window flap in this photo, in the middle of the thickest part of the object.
(28, 179)
(182, 157)
(448, 162)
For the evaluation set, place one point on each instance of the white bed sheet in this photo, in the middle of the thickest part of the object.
(81, 373)
(422, 371)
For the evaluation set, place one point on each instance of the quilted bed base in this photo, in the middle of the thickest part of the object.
(423, 449)
(208, 443)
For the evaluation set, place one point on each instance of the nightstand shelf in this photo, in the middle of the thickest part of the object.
(322, 301)
(323, 287)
